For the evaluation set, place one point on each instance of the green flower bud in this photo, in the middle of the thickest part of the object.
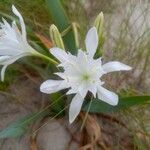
(99, 24)
(75, 31)
(56, 37)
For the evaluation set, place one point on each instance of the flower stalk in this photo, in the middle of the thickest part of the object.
(75, 31)
(37, 54)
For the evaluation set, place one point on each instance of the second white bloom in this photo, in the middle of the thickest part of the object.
(13, 43)
(81, 74)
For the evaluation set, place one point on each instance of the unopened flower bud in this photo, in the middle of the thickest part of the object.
(99, 24)
(56, 37)
(76, 36)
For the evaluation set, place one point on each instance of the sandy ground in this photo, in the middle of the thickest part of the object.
(56, 134)
(53, 136)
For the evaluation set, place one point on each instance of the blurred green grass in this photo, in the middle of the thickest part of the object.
(34, 12)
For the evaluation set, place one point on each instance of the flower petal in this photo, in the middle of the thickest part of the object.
(17, 33)
(51, 86)
(3, 59)
(115, 66)
(23, 28)
(107, 96)
(82, 89)
(9, 60)
(91, 41)
(61, 75)
(60, 54)
(93, 90)
(3, 72)
(73, 90)
(75, 107)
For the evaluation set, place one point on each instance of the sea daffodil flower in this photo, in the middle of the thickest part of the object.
(81, 74)
(13, 43)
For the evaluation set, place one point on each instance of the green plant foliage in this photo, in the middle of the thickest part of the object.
(11, 75)
(19, 127)
(98, 106)
(61, 21)
(59, 106)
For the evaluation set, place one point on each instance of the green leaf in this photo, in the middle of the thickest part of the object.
(99, 106)
(58, 107)
(61, 20)
(19, 127)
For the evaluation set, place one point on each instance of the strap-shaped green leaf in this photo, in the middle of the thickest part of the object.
(99, 106)
(61, 20)
(19, 127)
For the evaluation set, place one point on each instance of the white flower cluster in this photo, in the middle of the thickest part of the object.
(82, 73)
(13, 43)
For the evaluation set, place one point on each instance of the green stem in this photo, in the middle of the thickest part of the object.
(46, 58)
(86, 115)
(50, 120)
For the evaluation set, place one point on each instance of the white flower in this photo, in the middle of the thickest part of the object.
(81, 74)
(13, 43)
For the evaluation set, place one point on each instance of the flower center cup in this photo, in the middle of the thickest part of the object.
(86, 77)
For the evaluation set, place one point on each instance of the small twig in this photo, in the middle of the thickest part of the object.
(102, 145)
(33, 145)
(112, 118)
(86, 115)
(49, 120)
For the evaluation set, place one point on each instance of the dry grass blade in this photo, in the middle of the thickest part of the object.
(93, 131)
(33, 145)
(45, 40)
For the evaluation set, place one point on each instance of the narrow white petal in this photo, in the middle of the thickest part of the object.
(82, 60)
(107, 96)
(115, 66)
(3, 59)
(60, 54)
(16, 12)
(93, 90)
(73, 90)
(81, 54)
(9, 61)
(75, 107)
(15, 58)
(18, 34)
(91, 41)
(83, 89)
(9, 48)
(63, 85)
(61, 75)
(3, 72)
(51, 86)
